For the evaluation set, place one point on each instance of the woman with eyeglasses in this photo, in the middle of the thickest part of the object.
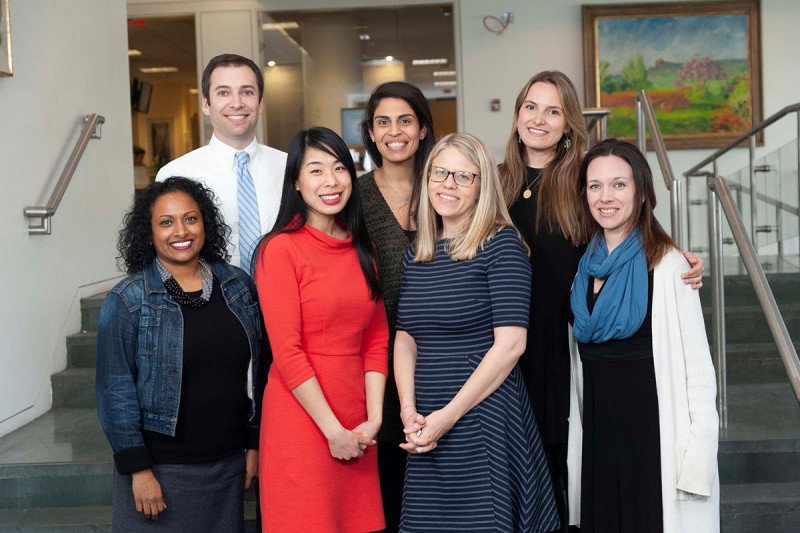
(320, 295)
(475, 459)
(397, 131)
(540, 182)
(644, 426)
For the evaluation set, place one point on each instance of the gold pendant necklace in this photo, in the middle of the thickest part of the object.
(527, 193)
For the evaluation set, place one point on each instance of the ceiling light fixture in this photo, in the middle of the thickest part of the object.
(158, 70)
(271, 63)
(364, 37)
(389, 59)
(423, 62)
(133, 52)
(443, 73)
(280, 26)
(449, 83)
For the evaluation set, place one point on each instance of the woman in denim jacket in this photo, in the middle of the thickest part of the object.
(177, 356)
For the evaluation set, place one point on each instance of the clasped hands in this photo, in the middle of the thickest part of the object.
(347, 444)
(423, 432)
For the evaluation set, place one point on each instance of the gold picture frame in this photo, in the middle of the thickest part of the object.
(699, 61)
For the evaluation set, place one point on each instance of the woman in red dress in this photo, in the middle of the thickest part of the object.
(320, 295)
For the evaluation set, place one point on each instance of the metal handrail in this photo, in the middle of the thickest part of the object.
(595, 117)
(720, 195)
(91, 130)
(646, 117)
(738, 140)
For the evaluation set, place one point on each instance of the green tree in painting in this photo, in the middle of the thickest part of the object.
(634, 75)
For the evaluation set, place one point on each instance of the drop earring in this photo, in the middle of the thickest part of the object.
(567, 143)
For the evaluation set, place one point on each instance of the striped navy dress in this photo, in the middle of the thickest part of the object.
(488, 473)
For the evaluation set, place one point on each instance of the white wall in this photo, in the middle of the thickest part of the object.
(69, 60)
(548, 35)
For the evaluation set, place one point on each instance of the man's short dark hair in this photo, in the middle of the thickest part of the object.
(230, 60)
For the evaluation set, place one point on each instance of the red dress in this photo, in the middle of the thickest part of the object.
(321, 322)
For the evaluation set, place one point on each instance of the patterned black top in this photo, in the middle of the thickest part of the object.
(391, 241)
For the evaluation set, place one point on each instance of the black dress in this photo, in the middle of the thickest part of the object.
(621, 463)
(545, 364)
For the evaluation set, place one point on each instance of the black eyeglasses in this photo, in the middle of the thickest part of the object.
(462, 178)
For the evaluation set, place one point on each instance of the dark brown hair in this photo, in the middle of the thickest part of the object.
(656, 241)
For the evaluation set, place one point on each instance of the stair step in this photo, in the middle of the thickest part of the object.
(79, 519)
(739, 289)
(761, 410)
(755, 363)
(746, 324)
(82, 350)
(760, 507)
(73, 387)
(90, 311)
(33, 486)
(759, 460)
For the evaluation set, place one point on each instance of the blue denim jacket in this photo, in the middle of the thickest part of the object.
(140, 357)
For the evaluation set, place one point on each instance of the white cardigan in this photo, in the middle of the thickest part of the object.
(687, 416)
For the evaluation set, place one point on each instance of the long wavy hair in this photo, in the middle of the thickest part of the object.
(489, 214)
(293, 212)
(656, 241)
(135, 243)
(419, 104)
(558, 200)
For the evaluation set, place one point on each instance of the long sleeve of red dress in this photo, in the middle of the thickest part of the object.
(321, 323)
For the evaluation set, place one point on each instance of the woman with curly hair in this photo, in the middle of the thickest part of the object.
(177, 353)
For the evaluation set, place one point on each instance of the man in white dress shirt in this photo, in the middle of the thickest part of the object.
(233, 90)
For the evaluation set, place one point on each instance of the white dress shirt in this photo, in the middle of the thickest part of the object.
(215, 166)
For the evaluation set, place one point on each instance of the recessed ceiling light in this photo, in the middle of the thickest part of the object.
(280, 26)
(133, 52)
(271, 63)
(364, 37)
(442, 73)
(423, 62)
(158, 70)
(389, 58)
(445, 83)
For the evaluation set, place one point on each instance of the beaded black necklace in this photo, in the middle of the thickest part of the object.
(181, 296)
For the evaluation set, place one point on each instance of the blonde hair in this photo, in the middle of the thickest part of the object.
(489, 214)
(559, 201)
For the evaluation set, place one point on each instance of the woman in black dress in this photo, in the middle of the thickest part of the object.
(539, 175)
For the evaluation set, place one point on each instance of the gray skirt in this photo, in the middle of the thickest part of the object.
(203, 497)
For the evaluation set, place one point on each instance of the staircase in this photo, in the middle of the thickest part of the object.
(56, 472)
(759, 453)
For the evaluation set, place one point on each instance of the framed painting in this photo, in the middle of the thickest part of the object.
(700, 62)
(5, 39)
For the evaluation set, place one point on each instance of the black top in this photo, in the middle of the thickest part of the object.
(545, 363)
(391, 242)
(212, 416)
(637, 346)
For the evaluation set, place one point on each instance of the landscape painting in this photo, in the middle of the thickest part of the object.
(698, 61)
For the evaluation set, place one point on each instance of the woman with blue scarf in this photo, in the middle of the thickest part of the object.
(643, 424)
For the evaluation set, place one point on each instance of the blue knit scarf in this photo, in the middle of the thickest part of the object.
(622, 304)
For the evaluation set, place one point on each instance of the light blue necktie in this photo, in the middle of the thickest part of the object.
(249, 222)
